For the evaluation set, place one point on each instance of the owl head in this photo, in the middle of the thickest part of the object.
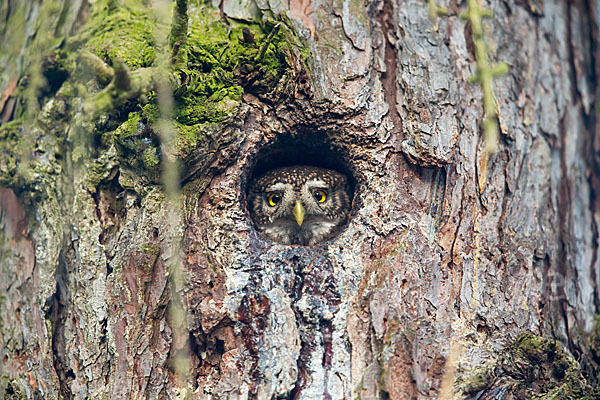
(299, 205)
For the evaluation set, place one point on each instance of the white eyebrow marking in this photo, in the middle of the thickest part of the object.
(278, 187)
(316, 183)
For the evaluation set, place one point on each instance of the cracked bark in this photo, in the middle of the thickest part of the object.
(435, 257)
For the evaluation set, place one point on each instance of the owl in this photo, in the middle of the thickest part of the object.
(299, 205)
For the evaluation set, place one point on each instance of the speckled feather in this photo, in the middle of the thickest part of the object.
(321, 221)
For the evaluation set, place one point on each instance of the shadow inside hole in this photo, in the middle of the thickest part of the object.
(312, 150)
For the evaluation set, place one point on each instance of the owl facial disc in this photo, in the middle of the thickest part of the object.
(299, 205)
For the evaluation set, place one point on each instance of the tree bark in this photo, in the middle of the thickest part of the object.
(460, 274)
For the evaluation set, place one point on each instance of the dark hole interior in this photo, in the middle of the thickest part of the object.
(220, 346)
(307, 149)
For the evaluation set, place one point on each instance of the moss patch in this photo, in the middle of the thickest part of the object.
(122, 31)
(137, 143)
(10, 134)
(223, 60)
(209, 72)
(532, 368)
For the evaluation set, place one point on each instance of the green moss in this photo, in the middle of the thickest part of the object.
(123, 31)
(531, 347)
(100, 169)
(533, 367)
(222, 61)
(480, 380)
(558, 370)
(137, 143)
(128, 129)
(214, 65)
(150, 157)
(188, 136)
(10, 134)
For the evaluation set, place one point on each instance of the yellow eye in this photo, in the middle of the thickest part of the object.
(320, 195)
(274, 199)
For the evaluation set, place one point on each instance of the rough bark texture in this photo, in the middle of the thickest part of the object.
(451, 270)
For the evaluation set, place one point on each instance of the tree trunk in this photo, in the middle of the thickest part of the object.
(461, 274)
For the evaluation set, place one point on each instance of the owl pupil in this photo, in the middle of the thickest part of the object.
(274, 199)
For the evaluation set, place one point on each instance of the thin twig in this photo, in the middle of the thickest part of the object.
(265, 45)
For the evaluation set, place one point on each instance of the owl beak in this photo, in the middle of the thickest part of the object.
(298, 212)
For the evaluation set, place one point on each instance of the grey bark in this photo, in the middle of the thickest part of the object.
(448, 258)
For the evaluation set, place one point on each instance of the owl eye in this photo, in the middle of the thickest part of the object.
(320, 196)
(274, 199)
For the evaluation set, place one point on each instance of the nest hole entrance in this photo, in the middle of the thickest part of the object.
(311, 150)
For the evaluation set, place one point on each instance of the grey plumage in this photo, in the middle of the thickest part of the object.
(299, 205)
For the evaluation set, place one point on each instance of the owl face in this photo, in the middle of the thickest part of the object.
(299, 205)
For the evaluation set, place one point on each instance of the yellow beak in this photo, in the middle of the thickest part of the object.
(298, 212)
